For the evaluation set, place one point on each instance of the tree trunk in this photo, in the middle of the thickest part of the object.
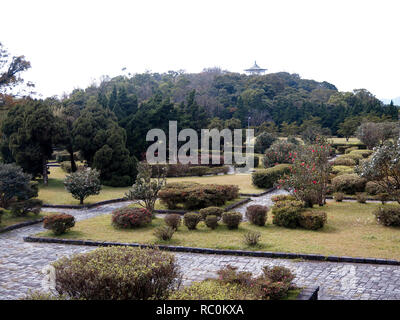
(347, 139)
(73, 164)
(45, 176)
(81, 201)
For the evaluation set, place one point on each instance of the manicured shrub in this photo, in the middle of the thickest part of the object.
(118, 273)
(272, 290)
(59, 223)
(339, 170)
(215, 211)
(361, 197)
(348, 183)
(229, 274)
(364, 153)
(164, 233)
(312, 220)
(232, 219)
(22, 208)
(173, 220)
(212, 221)
(388, 215)
(283, 197)
(373, 188)
(198, 171)
(348, 150)
(354, 156)
(83, 183)
(266, 178)
(343, 161)
(128, 218)
(338, 196)
(257, 214)
(287, 213)
(191, 220)
(197, 196)
(252, 238)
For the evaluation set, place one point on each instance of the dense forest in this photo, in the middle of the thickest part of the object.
(108, 122)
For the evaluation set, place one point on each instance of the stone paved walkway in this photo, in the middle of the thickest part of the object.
(21, 264)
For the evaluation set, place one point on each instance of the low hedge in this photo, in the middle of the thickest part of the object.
(344, 161)
(348, 183)
(339, 170)
(187, 170)
(197, 196)
(363, 153)
(388, 215)
(354, 156)
(118, 273)
(266, 178)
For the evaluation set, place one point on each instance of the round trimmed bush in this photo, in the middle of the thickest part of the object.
(312, 220)
(128, 218)
(257, 214)
(117, 273)
(211, 211)
(59, 223)
(232, 219)
(286, 213)
(348, 183)
(373, 188)
(173, 220)
(164, 233)
(344, 161)
(191, 220)
(338, 196)
(361, 197)
(388, 215)
(212, 221)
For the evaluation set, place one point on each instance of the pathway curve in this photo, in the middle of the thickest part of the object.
(21, 264)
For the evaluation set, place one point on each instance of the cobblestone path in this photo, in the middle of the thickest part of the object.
(21, 264)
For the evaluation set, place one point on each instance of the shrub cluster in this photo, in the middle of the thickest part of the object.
(22, 208)
(312, 220)
(214, 211)
(388, 215)
(118, 273)
(354, 156)
(339, 170)
(257, 214)
(191, 220)
(127, 218)
(348, 183)
(286, 216)
(278, 153)
(173, 220)
(211, 221)
(252, 238)
(59, 223)
(361, 197)
(266, 178)
(197, 196)
(186, 170)
(232, 219)
(338, 196)
(344, 161)
(164, 233)
(373, 188)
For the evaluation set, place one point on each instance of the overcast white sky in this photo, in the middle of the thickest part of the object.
(351, 43)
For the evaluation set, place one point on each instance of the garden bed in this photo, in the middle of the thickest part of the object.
(351, 231)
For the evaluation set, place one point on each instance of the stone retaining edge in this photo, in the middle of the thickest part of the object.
(21, 225)
(262, 254)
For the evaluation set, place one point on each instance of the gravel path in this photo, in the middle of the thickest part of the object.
(21, 264)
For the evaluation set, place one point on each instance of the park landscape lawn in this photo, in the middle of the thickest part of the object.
(351, 230)
(8, 219)
(55, 192)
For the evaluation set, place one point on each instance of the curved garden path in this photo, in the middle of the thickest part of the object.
(21, 264)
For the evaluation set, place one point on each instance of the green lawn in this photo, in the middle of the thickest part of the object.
(351, 230)
(8, 219)
(55, 193)
(343, 140)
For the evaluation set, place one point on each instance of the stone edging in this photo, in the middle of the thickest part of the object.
(182, 212)
(308, 294)
(263, 254)
(85, 206)
(21, 225)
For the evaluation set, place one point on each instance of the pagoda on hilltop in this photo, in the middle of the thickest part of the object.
(255, 70)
